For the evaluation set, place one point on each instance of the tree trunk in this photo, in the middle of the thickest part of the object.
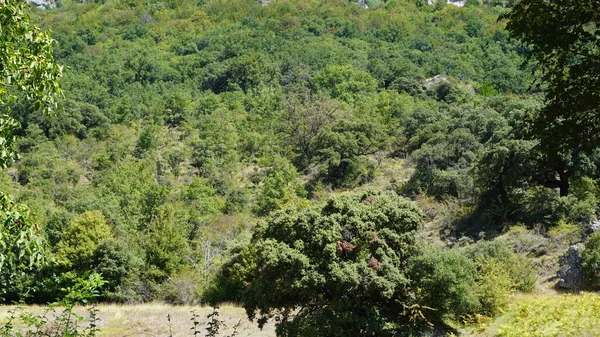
(563, 183)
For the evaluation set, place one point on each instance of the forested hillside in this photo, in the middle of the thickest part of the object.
(186, 126)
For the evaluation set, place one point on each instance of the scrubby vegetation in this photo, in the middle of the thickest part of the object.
(208, 151)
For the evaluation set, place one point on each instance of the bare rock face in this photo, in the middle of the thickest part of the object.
(362, 3)
(42, 4)
(457, 3)
(591, 228)
(434, 81)
(570, 273)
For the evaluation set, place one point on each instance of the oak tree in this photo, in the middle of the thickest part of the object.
(563, 38)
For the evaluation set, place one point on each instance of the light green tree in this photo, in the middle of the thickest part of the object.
(27, 71)
(82, 237)
(21, 249)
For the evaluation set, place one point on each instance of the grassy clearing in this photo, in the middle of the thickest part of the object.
(545, 315)
(150, 320)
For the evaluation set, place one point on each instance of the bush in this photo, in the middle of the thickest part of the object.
(500, 272)
(341, 267)
(120, 268)
(590, 257)
(493, 286)
(280, 186)
(445, 280)
(543, 205)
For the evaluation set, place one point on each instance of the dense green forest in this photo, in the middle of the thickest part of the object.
(297, 155)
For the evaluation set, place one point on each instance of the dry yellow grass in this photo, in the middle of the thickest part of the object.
(150, 320)
(547, 314)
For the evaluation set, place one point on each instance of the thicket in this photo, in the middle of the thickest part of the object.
(184, 123)
(354, 265)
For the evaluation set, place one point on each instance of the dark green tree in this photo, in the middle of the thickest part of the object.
(342, 265)
(564, 41)
(341, 269)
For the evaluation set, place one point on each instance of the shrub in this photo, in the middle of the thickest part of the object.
(493, 286)
(590, 257)
(445, 280)
(500, 272)
(280, 186)
(543, 205)
(120, 268)
(342, 268)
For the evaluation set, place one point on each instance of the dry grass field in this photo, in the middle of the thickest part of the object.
(542, 314)
(150, 320)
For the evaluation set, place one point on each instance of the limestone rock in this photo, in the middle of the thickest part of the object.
(591, 228)
(434, 81)
(362, 3)
(458, 3)
(42, 4)
(570, 273)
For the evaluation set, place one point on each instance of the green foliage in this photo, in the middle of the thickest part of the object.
(445, 280)
(443, 159)
(565, 315)
(546, 207)
(590, 261)
(342, 265)
(280, 187)
(500, 272)
(343, 82)
(165, 248)
(147, 142)
(342, 149)
(81, 239)
(563, 40)
(494, 286)
(7, 127)
(204, 196)
(22, 248)
(27, 68)
(120, 268)
(185, 121)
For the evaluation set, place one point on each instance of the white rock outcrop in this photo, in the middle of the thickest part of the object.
(362, 3)
(434, 81)
(458, 3)
(42, 4)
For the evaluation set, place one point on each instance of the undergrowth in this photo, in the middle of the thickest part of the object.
(568, 315)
